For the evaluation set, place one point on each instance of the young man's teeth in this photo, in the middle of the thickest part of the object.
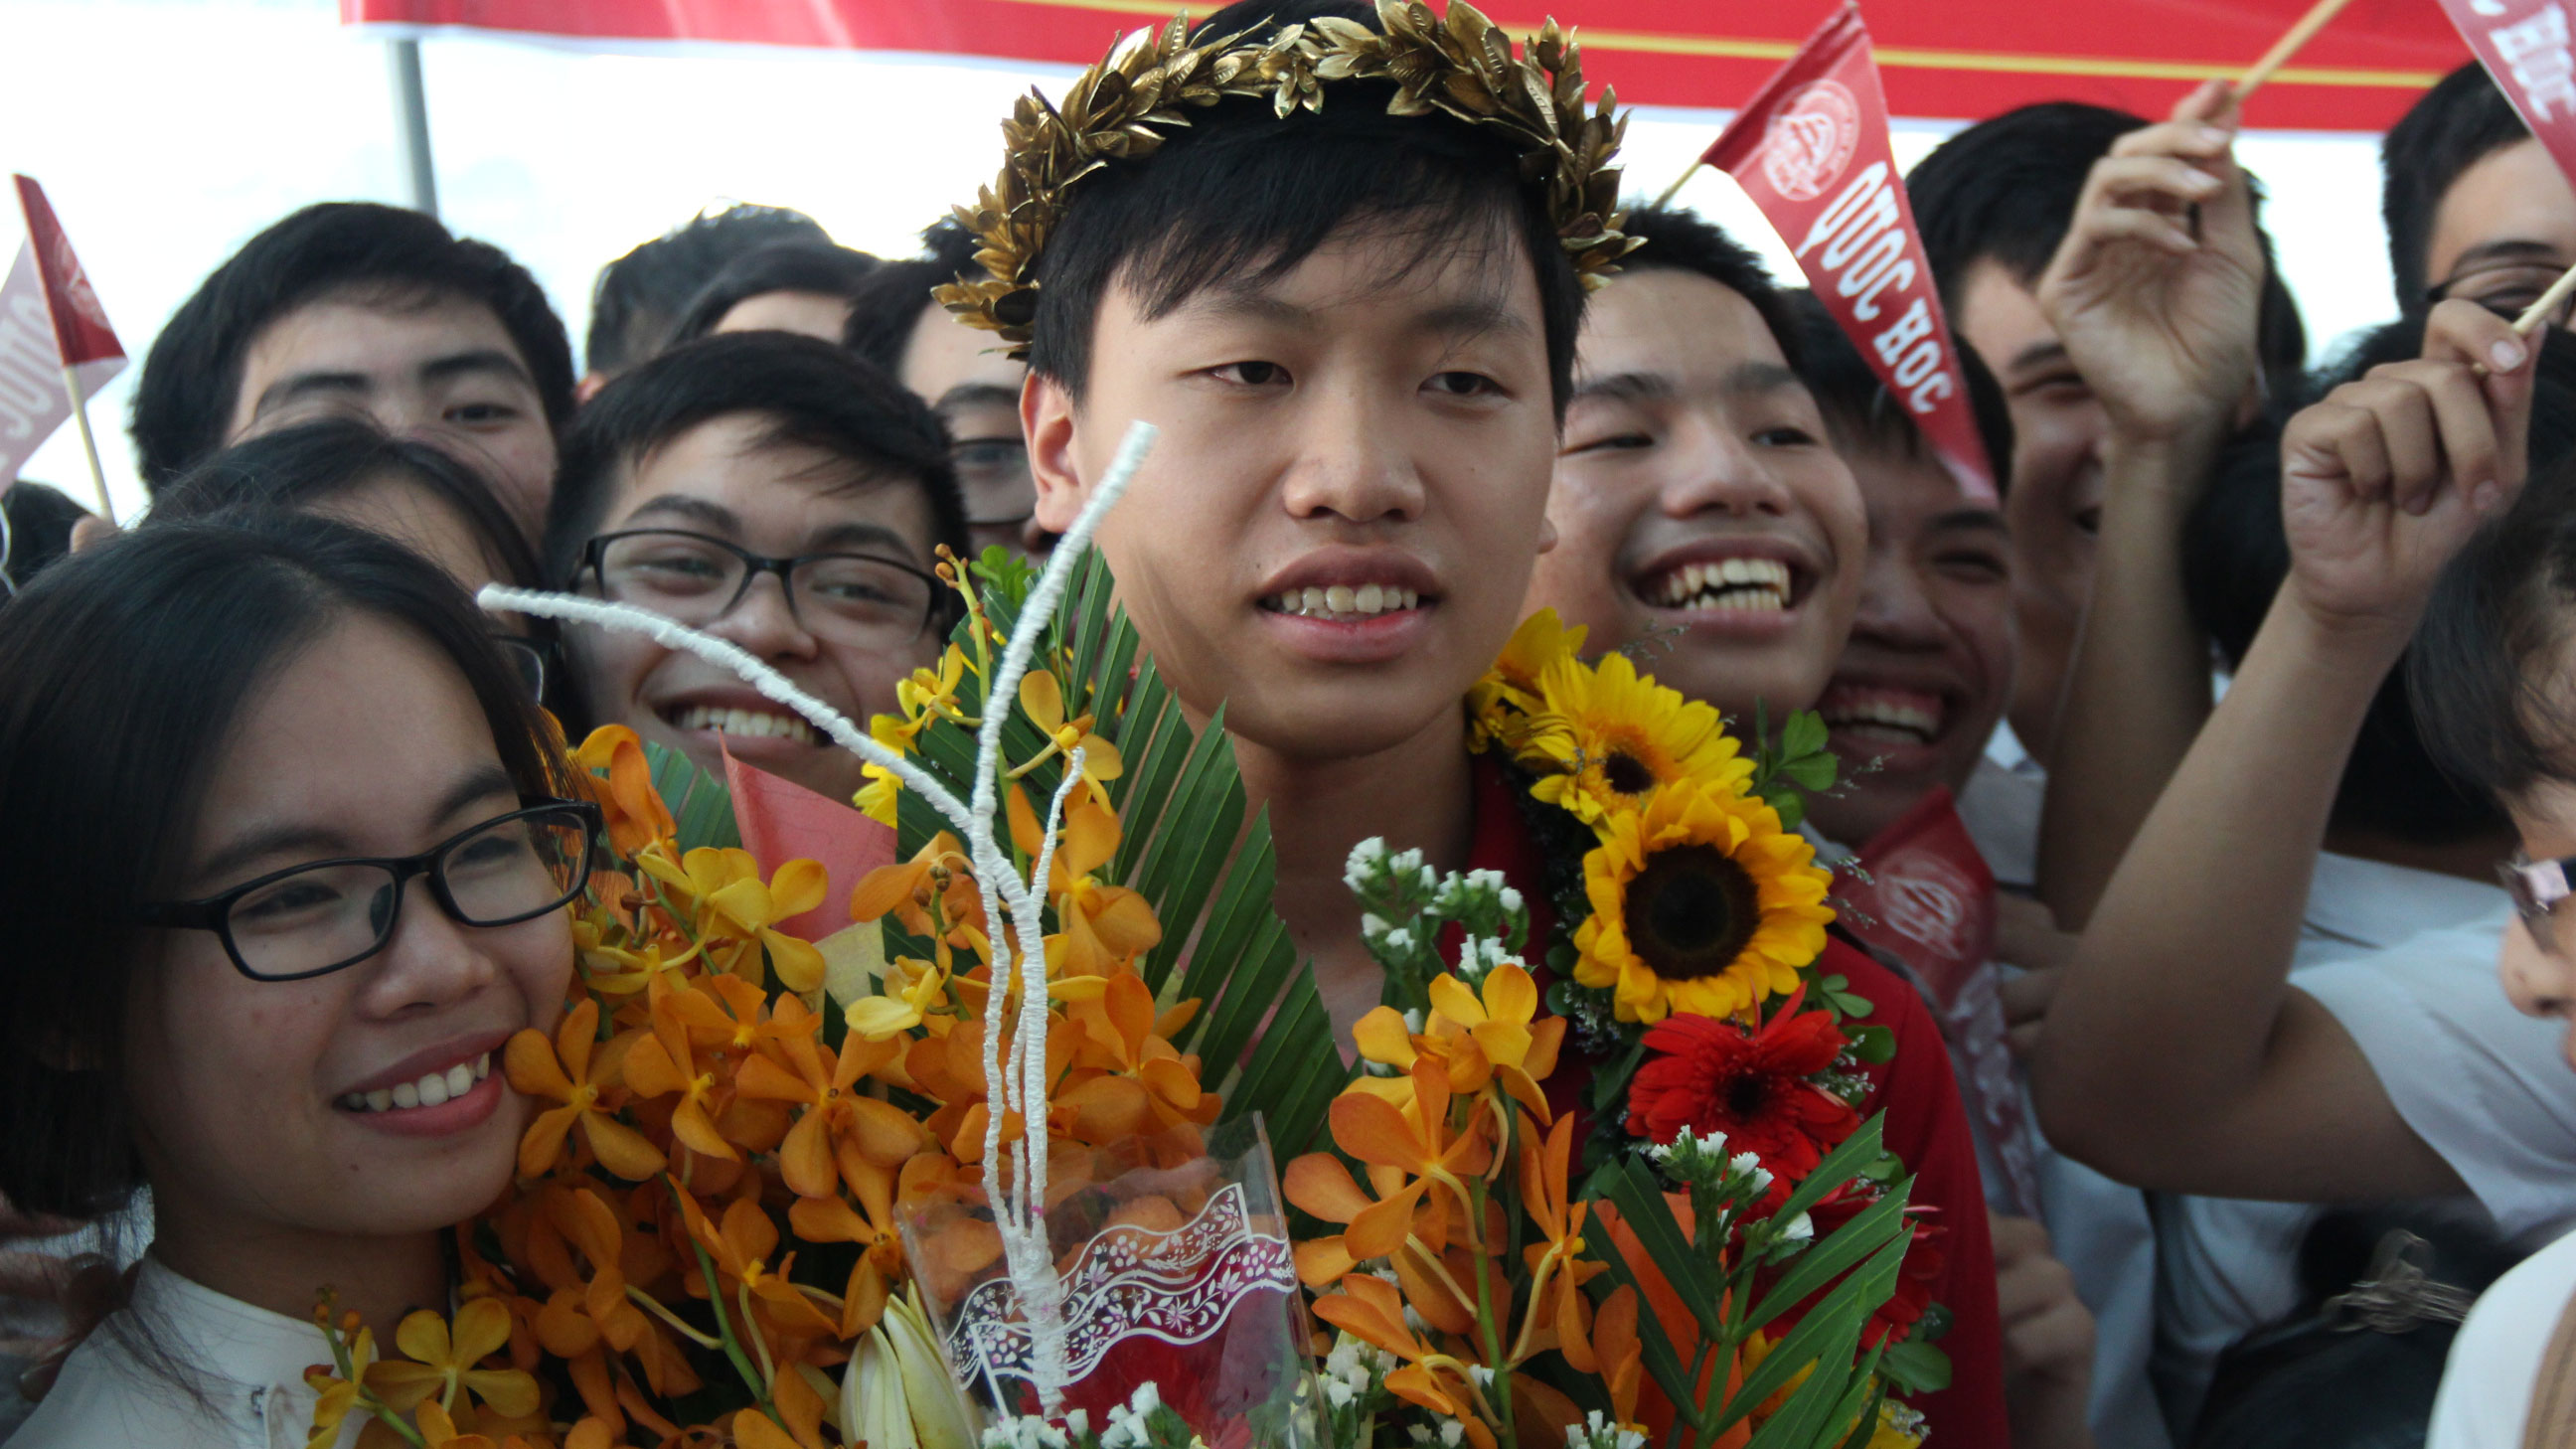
(1885, 716)
(1345, 601)
(1752, 585)
(745, 724)
(431, 1089)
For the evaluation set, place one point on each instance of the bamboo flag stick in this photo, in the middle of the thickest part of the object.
(89, 442)
(2535, 316)
(1675, 189)
(2288, 45)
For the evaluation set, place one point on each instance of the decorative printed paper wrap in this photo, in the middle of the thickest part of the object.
(1176, 1271)
(2525, 45)
(1811, 149)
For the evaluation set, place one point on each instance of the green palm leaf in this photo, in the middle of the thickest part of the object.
(1187, 846)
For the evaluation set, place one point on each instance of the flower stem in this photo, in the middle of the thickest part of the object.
(655, 1307)
(724, 1324)
(1486, 1316)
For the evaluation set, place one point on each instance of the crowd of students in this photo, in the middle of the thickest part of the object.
(2243, 692)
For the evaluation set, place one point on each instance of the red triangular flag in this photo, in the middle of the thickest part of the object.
(1811, 149)
(782, 821)
(81, 332)
(2526, 47)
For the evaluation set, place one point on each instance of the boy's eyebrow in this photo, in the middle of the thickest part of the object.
(842, 537)
(304, 384)
(970, 394)
(1968, 518)
(481, 360)
(479, 784)
(1762, 377)
(1625, 387)
(1452, 319)
(2038, 354)
(690, 509)
(2508, 249)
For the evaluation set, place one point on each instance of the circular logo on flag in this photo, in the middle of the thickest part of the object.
(1810, 140)
(1926, 899)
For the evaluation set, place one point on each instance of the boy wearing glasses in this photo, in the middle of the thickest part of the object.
(778, 493)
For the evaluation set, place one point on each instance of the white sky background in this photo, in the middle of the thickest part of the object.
(167, 132)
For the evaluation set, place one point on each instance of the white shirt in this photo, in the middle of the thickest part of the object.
(246, 1362)
(2406, 961)
(2000, 806)
(2495, 1362)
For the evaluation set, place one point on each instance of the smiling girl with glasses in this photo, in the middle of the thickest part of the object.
(286, 856)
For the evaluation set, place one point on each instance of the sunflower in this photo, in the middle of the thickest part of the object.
(1701, 903)
(1499, 705)
(1615, 736)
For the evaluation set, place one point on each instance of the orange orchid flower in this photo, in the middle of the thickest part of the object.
(734, 905)
(740, 1250)
(1372, 1309)
(1557, 1269)
(1042, 699)
(1103, 926)
(906, 891)
(663, 1062)
(445, 1363)
(1142, 1084)
(634, 811)
(574, 1069)
(585, 1309)
(842, 1132)
(1500, 1022)
(1409, 1156)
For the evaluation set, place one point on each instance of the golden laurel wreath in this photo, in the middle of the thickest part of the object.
(1122, 108)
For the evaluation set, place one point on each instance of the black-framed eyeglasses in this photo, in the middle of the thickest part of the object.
(2506, 288)
(993, 477)
(527, 654)
(2537, 886)
(855, 599)
(312, 919)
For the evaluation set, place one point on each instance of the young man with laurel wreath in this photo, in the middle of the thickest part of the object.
(1338, 258)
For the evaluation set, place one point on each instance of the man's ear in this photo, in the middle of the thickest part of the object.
(1046, 420)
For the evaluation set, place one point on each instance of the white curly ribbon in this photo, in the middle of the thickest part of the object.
(1014, 1080)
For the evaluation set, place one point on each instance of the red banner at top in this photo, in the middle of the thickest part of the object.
(1960, 59)
(80, 323)
(1811, 149)
(2524, 44)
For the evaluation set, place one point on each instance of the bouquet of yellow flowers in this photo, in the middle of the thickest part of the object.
(995, 1161)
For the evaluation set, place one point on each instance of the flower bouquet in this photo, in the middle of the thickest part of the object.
(996, 1160)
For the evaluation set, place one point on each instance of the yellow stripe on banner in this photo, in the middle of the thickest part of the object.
(1902, 57)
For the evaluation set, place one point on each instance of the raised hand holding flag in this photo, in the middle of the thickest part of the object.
(82, 340)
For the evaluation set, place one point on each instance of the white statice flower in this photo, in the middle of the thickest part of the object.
(1338, 1393)
(1483, 1376)
(1801, 1228)
(1510, 900)
(1430, 877)
(1399, 939)
(1365, 858)
(1413, 1019)
(1026, 1432)
(1418, 1433)
(1371, 925)
(1452, 1432)
(1597, 1432)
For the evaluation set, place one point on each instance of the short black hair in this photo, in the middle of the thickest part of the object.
(1863, 414)
(815, 394)
(641, 294)
(193, 375)
(1680, 240)
(2488, 672)
(2450, 128)
(890, 303)
(40, 528)
(1244, 195)
(2005, 190)
(2236, 552)
(122, 673)
(821, 268)
(300, 467)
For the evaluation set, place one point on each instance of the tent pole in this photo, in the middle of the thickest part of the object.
(411, 117)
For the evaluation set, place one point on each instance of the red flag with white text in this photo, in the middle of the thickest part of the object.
(81, 332)
(2524, 45)
(1811, 149)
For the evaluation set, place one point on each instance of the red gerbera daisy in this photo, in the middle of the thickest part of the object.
(1710, 1073)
